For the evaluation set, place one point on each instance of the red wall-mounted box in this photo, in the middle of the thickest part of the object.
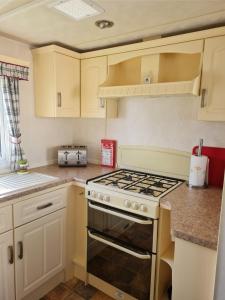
(108, 153)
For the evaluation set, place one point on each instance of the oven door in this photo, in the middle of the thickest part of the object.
(131, 229)
(129, 270)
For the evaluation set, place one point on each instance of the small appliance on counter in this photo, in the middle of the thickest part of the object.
(72, 156)
(199, 168)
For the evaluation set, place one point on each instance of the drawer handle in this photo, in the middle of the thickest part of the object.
(10, 254)
(44, 206)
(20, 245)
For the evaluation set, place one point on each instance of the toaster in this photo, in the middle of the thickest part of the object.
(71, 155)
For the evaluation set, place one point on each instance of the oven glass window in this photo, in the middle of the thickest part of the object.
(131, 233)
(122, 270)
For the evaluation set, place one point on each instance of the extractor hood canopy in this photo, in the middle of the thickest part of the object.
(164, 71)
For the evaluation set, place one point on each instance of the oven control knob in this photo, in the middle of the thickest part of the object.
(93, 194)
(135, 205)
(127, 203)
(106, 198)
(100, 196)
(143, 208)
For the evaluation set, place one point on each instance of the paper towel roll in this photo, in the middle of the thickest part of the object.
(198, 170)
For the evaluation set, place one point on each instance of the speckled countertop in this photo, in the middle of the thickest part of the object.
(64, 175)
(195, 214)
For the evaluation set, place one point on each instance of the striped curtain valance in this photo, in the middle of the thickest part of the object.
(15, 71)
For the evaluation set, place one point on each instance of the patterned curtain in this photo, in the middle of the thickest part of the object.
(10, 91)
(14, 71)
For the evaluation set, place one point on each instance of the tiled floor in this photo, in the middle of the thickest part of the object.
(75, 290)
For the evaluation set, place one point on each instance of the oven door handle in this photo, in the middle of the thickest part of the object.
(118, 247)
(121, 215)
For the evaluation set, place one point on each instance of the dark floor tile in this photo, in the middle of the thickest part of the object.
(85, 291)
(101, 296)
(72, 283)
(58, 293)
(74, 296)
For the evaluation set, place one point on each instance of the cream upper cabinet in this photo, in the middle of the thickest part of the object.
(93, 74)
(6, 266)
(56, 82)
(213, 80)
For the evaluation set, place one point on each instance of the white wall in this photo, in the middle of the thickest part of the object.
(164, 122)
(40, 136)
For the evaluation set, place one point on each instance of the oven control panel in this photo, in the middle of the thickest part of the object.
(121, 201)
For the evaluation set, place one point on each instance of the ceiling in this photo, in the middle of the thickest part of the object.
(36, 23)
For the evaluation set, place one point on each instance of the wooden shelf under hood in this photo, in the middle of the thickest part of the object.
(152, 90)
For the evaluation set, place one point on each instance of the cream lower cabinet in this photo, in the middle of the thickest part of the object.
(213, 79)
(93, 73)
(39, 252)
(77, 232)
(194, 270)
(6, 266)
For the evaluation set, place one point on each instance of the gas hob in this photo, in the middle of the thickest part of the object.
(134, 191)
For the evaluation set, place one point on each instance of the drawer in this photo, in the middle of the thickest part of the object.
(5, 218)
(39, 206)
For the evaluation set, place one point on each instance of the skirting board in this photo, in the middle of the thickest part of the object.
(162, 161)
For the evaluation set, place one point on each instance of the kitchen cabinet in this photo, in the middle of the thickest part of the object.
(213, 78)
(39, 255)
(193, 272)
(79, 212)
(93, 74)
(56, 82)
(6, 266)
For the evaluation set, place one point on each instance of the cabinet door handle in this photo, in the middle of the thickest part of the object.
(101, 102)
(203, 97)
(20, 245)
(10, 254)
(44, 206)
(59, 99)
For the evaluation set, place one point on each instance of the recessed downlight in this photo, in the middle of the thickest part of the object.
(102, 24)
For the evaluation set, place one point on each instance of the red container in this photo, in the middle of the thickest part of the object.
(216, 164)
(108, 153)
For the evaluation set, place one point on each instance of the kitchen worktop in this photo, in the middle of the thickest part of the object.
(63, 174)
(195, 214)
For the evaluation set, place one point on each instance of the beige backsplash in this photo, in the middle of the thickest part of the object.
(164, 122)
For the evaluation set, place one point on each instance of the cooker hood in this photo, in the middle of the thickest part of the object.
(161, 71)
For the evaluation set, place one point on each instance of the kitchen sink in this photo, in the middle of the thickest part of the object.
(14, 182)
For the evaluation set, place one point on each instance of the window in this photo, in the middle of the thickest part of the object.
(4, 134)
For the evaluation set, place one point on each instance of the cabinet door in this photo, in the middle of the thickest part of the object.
(39, 252)
(213, 78)
(194, 271)
(67, 86)
(93, 74)
(6, 266)
(76, 233)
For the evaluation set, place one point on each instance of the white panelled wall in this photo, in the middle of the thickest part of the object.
(164, 122)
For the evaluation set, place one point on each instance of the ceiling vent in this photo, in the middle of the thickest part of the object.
(77, 9)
